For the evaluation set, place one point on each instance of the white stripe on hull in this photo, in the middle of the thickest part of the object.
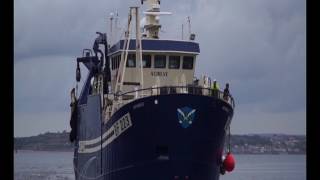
(117, 128)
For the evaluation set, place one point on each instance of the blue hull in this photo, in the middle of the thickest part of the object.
(157, 146)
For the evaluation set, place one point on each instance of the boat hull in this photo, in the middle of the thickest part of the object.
(176, 136)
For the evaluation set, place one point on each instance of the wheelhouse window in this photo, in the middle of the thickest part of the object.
(187, 62)
(146, 61)
(174, 62)
(131, 61)
(159, 61)
(118, 61)
(112, 63)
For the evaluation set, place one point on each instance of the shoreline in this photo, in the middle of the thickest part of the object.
(30, 150)
(71, 151)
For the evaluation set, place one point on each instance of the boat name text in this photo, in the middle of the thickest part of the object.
(159, 73)
(122, 124)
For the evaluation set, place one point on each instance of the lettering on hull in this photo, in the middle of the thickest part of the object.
(159, 73)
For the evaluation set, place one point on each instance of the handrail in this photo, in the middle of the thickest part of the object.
(165, 90)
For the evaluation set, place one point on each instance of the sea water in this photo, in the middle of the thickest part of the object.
(43, 165)
(39, 165)
(268, 167)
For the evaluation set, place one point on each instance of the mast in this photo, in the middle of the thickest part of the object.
(153, 26)
(111, 36)
(182, 31)
(189, 25)
(124, 55)
(139, 44)
(116, 25)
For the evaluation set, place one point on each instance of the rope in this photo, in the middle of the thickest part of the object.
(229, 140)
(76, 89)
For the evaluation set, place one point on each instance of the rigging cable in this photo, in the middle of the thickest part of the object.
(229, 140)
(77, 90)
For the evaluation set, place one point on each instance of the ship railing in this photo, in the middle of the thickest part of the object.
(126, 97)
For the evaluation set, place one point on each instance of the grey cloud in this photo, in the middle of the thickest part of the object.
(42, 84)
(58, 27)
(259, 47)
(261, 58)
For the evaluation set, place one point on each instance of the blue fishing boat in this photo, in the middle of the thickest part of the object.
(141, 114)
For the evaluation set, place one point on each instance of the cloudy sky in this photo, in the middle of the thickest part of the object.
(258, 46)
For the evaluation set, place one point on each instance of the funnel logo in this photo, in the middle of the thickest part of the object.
(185, 116)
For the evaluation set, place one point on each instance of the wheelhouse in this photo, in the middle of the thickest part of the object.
(165, 63)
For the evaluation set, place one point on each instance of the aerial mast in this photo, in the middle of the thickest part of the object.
(182, 31)
(111, 19)
(152, 25)
(189, 25)
(139, 44)
(116, 25)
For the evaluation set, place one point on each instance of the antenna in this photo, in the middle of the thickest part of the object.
(192, 36)
(147, 0)
(182, 31)
(152, 26)
(189, 25)
(111, 19)
(116, 25)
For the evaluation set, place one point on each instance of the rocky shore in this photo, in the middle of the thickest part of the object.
(240, 144)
